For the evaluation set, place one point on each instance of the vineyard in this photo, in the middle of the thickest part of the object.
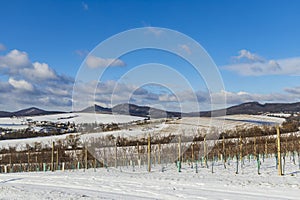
(230, 149)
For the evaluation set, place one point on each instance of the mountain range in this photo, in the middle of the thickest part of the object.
(146, 111)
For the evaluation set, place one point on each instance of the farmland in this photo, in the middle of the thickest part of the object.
(185, 155)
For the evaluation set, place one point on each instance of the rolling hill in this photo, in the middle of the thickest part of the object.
(33, 111)
(252, 108)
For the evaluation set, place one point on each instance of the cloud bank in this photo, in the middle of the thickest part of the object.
(24, 83)
(250, 64)
(94, 62)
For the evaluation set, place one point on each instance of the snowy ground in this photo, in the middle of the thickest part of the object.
(186, 126)
(126, 184)
(18, 123)
(228, 122)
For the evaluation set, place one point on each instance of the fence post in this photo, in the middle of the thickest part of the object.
(116, 155)
(205, 151)
(255, 146)
(52, 157)
(241, 149)
(278, 152)
(56, 159)
(258, 164)
(224, 153)
(179, 154)
(237, 157)
(266, 147)
(159, 149)
(86, 158)
(28, 160)
(149, 153)
(192, 147)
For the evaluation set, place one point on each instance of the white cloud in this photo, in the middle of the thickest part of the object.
(154, 30)
(294, 90)
(97, 62)
(17, 64)
(40, 71)
(185, 48)
(81, 53)
(21, 84)
(58, 91)
(234, 98)
(245, 54)
(260, 67)
(15, 59)
(2, 47)
(85, 6)
(31, 84)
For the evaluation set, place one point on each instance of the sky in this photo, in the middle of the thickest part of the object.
(45, 44)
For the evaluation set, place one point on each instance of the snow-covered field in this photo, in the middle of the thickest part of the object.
(136, 183)
(187, 126)
(230, 120)
(125, 183)
(77, 118)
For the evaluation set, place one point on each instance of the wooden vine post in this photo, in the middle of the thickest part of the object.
(192, 146)
(179, 154)
(28, 158)
(255, 147)
(237, 156)
(159, 154)
(266, 147)
(205, 151)
(149, 153)
(279, 152)
(85, 158)
(52, 157)
(56, 159)
(138, 150)
(224, 151)
(139, 155)
(104, 157)
(116, 155)
(241, 149)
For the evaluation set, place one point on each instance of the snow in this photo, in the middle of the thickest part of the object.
(285, 115)
(77, 118)
(136, 183)
(186, 126)
(21, 143)
(231, 121)
(124, 183)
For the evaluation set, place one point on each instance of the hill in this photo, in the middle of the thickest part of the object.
(33, 111)
(134, 110)
(251, 108)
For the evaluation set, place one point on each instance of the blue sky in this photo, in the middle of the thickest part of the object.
(255, 45)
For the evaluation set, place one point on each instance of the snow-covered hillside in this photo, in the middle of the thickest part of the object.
(187, 126)
(77, 118)
(230, 121)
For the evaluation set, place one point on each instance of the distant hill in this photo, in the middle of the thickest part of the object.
(33, 111)
(143, 111)
(252, 108)
(4, 114)
(134, 110)
(97, 109)
(257, 108)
